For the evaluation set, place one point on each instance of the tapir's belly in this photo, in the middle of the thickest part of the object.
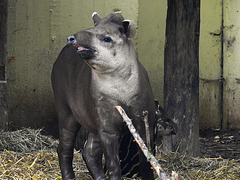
(82, 107)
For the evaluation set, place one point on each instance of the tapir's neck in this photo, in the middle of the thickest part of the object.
(122, 84)
(126, 74)
(126, 71)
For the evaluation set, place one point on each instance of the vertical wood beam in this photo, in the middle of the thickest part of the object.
(181, 75)
(3, 60)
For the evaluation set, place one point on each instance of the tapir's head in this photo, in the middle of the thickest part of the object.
(107, 46)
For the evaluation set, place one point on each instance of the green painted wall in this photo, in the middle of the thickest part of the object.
(219, 106)
(231, 71)
(29, 43)
(151, 41)
(37, 31)
(210, 64)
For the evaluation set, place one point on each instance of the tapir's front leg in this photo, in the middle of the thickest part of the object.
(67, 136)
(92, 156)
(110, 145)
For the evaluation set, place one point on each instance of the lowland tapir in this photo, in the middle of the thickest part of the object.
(95, 72)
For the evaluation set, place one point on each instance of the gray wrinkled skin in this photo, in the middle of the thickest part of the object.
(97, 71)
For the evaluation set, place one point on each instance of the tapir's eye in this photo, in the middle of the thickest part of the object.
(107, 39)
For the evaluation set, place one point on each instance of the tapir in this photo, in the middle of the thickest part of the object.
(95, 72)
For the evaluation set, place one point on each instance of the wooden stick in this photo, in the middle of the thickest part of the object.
(145, 114)
(153, 161)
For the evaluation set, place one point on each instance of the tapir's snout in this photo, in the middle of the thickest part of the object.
(85, 51)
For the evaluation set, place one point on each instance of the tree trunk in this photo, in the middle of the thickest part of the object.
(3, 60)
(181, 75)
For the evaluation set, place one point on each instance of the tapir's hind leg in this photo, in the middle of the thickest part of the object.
(92, 155)
(67, 133)
(145, 167)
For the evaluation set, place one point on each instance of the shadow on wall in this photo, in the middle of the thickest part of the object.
(34, 114)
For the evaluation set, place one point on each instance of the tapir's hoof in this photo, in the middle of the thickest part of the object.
(69, 176)
(100, 178)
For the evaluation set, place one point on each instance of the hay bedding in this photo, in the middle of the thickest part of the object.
(27, 154)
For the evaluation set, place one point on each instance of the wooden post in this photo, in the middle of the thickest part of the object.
(3, 60)
(181, 75)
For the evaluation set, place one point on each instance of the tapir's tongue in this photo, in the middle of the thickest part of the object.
(80, 48)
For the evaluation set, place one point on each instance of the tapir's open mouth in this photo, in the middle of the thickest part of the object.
(86, 52)
(83, 48)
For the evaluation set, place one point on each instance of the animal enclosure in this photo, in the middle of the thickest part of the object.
(36, 33)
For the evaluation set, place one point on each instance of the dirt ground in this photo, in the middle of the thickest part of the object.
(224, 143)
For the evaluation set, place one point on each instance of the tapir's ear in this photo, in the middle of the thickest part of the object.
(129, 28)
(96, 18)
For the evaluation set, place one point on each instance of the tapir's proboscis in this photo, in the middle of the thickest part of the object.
(97, 71)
